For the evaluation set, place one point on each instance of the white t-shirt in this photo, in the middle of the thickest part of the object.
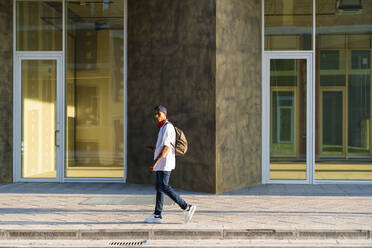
(166, 137)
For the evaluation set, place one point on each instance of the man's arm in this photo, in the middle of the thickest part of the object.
(161, 155)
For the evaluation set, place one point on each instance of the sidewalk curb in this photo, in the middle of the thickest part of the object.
(172, 234)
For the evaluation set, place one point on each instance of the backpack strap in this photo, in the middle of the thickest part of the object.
(174, 132)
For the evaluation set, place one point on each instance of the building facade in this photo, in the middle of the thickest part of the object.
(266, 91)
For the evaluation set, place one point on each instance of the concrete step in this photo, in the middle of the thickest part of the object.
(269, 243)
(156, 232)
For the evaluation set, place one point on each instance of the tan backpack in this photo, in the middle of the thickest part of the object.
(181, 142)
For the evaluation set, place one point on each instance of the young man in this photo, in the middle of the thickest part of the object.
(164, 163)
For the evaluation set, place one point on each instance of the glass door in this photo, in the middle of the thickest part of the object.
(38, 145)
(287, 130)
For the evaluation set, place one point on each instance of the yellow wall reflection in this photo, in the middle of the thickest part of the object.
(39, 25)
(288, 24)
(39, 118)
(94, 83)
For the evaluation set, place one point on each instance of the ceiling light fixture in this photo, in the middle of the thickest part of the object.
(349, 6)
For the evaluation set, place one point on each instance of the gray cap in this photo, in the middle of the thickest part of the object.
(161, 108)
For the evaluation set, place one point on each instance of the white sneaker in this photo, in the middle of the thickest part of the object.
(189, 213)
(154, 219)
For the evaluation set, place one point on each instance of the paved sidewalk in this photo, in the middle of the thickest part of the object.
(88, 206)
(190, 244)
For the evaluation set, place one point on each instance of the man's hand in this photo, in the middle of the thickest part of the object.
(150, 148)
(152, 168)
(161, 155)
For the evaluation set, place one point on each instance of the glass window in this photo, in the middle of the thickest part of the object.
(343, 91)
(94, 89)
(288, 119)
(288, 24)
(39, 25)
(39, 84)
(332, 67)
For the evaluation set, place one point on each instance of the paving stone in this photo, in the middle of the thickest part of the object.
(31, 234)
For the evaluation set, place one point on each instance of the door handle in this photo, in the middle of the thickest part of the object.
(55, 138)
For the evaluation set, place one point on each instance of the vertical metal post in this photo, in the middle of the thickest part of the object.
(263, 100)
(15, 144)
(125, 98)
(312, 100)
(62, 108)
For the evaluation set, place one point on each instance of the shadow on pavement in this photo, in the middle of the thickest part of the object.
(305, 190)
(42, 211)
(76, 188)
(135, 189)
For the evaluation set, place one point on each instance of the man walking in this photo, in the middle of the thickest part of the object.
(164, 163)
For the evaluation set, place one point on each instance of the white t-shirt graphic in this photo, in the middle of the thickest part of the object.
(166, 137)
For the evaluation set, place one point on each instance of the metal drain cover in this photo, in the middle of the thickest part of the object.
(124, 200)
(126, 243)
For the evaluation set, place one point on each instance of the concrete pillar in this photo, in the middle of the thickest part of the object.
(238, 98)
(201, 59)
(6, 91)
(172, 61)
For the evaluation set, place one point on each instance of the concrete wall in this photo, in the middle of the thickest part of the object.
(172, 61)
(6, 91)
(238, 97)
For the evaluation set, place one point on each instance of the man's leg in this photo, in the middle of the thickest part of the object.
(156, 216)
(162, 186)
(169, 191)
(159, 178)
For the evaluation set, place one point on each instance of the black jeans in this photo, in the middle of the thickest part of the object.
(162, 187)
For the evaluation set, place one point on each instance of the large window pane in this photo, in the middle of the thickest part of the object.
(343, 91)
(39, 82)
(39, 25)
(288, 119)
(288, 24)
(94, 89)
